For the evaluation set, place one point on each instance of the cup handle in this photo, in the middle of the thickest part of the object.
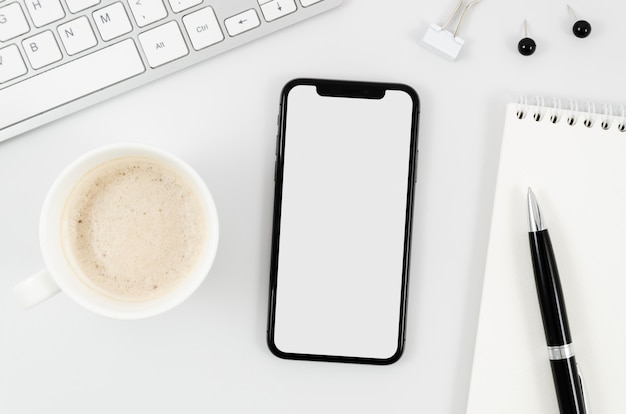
(35, 289)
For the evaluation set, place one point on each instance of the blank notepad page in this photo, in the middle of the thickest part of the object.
(578, 173)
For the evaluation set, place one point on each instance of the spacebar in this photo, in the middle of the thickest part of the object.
(69, 82)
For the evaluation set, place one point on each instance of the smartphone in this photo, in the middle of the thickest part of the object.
(346, 159)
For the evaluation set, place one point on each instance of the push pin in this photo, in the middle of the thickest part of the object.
(443, 42)
(581, 28)
(526, 46)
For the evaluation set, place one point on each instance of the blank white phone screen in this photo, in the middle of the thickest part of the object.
(342, 229)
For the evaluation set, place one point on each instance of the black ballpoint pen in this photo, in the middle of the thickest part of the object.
(565, 372)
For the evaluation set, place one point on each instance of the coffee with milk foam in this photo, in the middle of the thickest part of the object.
(134, 229)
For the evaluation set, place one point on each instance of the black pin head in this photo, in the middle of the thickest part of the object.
(526, 46)
(581, 28)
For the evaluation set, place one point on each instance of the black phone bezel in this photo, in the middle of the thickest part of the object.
(353, 89)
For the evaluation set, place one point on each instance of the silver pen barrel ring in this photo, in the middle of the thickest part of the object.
(561, 352)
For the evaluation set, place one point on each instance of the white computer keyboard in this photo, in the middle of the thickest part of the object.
(59, 56)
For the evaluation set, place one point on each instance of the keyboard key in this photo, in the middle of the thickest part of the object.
(307, 3)
(11, 64)
(242, 22)
(42, 49)
(147, 11)
(45, 11)
(163, 44)
(77, 35)
(112, 21)
(203, 28)
(70, 81)
(12, 22)
(180, 5)
(275, 9)
(46, 73)
(79, 5)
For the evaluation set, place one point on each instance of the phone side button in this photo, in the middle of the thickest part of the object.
(275, 168)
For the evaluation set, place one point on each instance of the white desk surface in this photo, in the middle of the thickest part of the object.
(209, 354)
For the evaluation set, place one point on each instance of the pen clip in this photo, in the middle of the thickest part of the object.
(583, 389)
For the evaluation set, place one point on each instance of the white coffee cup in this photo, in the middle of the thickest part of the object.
(59, 274)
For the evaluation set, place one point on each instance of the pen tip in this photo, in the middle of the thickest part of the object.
(535, 220)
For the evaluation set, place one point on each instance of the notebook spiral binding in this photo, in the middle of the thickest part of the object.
(571, 114)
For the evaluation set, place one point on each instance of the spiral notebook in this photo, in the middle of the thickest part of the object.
(575, 162)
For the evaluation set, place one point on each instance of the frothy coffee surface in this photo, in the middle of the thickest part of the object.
(134, 228)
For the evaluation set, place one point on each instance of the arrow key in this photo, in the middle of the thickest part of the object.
(242, 22)
(275, 9)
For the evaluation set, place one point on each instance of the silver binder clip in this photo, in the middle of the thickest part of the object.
(444, 42)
